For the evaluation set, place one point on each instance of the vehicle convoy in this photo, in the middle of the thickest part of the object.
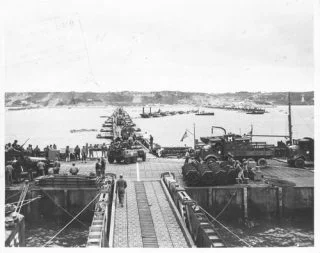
(237, 146)
(300, 152)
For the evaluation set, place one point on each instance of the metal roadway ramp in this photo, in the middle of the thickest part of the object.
(147, 219)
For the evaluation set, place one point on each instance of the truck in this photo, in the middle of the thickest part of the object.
(300, 152)
(237, 146)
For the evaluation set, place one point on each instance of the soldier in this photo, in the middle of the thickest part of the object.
(9, 170)
(67, 154)
(103, 166)
(56, 166)
(41, 167)
(84, 154)
(98, 168)
(151, 142)
(36, 151)
(103, 150)
(90, 151)
(77, 152)
(187, 156)
(121, 189)
(74, 170)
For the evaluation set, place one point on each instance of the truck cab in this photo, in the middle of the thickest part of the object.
(300, 152)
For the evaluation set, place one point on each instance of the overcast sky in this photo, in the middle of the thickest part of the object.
(206, 46)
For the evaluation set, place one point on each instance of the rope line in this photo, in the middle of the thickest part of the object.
(17, 193)
(70, 221)
(28, 202)
(228, 203)
(63, 209)
(225, 227)
(21, 198)
(12, 203)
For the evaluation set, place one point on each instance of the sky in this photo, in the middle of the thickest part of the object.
(144, 45)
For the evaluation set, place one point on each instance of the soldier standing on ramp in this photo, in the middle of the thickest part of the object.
(121, 189)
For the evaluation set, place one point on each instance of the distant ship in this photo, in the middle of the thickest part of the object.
(205, 114)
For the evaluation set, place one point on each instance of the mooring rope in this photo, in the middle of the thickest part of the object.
(26, 200)
(31, 200)
(15, 194)
(22, 197)
(71, 221)
(228, 203)
(225, 227)
(63, 208)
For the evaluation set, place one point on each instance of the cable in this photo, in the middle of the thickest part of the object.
(63, 208)
(28, 202)
(225, 227)
(228, 203)
(12, 203)
(71, 221)
(10, 197)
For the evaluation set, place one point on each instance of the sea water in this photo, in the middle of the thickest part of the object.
(47, 126)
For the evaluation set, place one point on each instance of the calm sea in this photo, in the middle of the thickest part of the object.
(47, 126)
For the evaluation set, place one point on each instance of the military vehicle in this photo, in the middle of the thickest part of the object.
(300, 152)
(120, 151)
(237, 146)
(141, 152)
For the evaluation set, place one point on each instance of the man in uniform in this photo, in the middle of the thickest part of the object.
(98, 168)
(151, 142)
(74, 170)
(187, 157)
(56, 166)
(41, 166)
(9, 170)
(121, 189)
(103, 166)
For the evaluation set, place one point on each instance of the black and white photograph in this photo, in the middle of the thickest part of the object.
(159, 124)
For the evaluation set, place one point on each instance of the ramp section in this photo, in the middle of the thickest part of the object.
(148, 233)
(147, 219)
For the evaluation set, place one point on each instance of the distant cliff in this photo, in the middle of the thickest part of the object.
(43, 99)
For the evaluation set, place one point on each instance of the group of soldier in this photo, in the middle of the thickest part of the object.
(83, 153)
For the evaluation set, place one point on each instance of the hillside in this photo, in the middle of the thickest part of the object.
(43, 99)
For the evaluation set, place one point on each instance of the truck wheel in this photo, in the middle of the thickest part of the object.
(118, 160)
(262, 162)
(299, 163)
(211, 160)
(110, 159)
(126, 160)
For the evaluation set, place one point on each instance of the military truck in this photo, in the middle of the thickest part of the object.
(300, 152)
(237, 146)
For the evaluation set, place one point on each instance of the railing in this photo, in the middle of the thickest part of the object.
(202, 231)
(100, 227)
